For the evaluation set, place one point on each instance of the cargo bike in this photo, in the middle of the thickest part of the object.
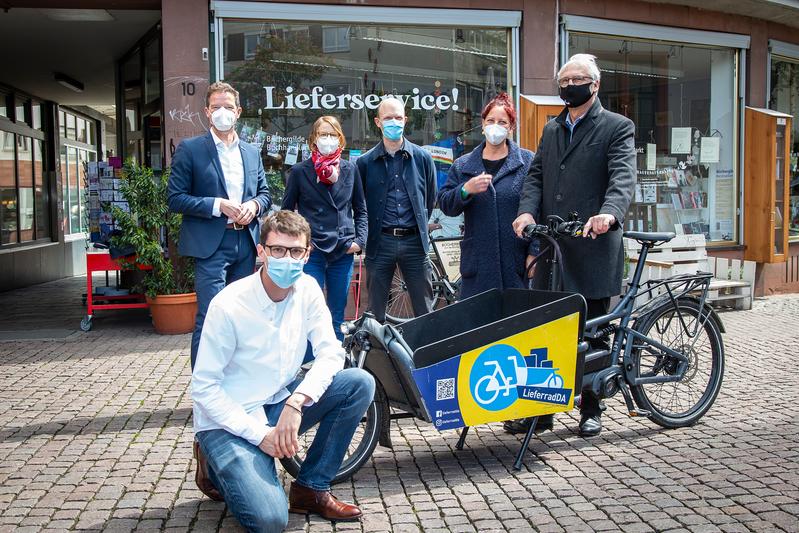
(508, 354)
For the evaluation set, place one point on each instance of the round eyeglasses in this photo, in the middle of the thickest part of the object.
(277, 251)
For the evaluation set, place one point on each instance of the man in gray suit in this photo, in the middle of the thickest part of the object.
(585, 163)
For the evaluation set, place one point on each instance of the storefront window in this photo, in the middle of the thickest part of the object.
(682, 100)
(8, 189)
(785, 98)
(77, 148)
(289, 74)
(25, 187)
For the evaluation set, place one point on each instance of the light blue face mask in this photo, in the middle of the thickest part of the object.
(392, 129)
(284, 271)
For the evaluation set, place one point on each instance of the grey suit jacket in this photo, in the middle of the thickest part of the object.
(594, 173)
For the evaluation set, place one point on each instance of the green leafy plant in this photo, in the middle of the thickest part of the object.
(146, 226)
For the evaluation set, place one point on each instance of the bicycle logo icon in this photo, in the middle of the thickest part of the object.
(500, 370)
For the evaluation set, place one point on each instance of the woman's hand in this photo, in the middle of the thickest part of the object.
(478, 184)
(354, 248)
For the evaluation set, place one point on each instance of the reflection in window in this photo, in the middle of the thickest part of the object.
(785, 98)
(335, 39)
(682, 100)
(42, 213)
(8, 190)
(311, 69)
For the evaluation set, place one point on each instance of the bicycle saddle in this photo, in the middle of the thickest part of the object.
(648, 236)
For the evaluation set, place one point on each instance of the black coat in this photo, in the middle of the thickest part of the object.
(594, 174)
(419, 174)
(336, 213)
(491, 254)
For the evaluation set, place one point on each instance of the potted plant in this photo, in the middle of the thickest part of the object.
(168, 281)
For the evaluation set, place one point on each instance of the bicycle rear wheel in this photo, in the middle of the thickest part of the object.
(688, 329)
(399, 308)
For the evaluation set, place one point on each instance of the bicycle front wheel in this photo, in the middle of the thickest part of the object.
(361, 447)
(688, 329)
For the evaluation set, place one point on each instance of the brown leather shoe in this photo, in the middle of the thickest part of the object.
(201, 476)
(321, 502)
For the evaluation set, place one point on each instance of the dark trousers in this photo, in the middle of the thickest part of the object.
(234, 259)
(590, 404)
(407, 254)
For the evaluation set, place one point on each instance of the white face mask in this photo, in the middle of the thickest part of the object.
(223, 119)
(495, 134)
(327, 145)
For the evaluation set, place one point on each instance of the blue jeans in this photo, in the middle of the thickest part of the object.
(233, 260)
(335, 275)
(247, 478)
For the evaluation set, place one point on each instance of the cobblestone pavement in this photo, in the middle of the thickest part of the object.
(96, 434)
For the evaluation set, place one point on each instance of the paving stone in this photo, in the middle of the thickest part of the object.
(95, 435)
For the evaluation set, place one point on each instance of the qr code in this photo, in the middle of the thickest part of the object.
(445, 389)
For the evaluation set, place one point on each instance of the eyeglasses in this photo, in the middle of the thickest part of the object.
(277, 251)
(576, 80)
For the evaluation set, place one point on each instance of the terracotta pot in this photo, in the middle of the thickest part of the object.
(173, 314)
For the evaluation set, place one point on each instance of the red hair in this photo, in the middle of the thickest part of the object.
(502, 100)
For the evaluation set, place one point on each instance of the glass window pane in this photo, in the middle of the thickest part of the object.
(785, 98)
(152, 71)
(81, 125)
(92, 132)
(71, 127)
(74, 190)
(4, 106)
(310, 69)
(40, 192)
(82, 160)
(62, 123)
(682, 100)
(64, 171)
(22, 113)
(36, 112)
(8, 190)
(25, 183)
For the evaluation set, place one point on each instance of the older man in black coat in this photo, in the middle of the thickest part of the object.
(585, 163)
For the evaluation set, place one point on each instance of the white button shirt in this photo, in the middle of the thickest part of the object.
(232, 170)
(251, 349)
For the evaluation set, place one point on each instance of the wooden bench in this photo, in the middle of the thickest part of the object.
(733, 280)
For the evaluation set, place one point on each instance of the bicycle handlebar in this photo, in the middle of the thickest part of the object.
(555, 227)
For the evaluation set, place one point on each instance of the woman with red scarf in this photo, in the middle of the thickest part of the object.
(328, 192)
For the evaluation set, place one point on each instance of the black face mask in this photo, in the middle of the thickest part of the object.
(576, 95)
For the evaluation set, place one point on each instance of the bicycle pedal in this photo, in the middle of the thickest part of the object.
(640, 412)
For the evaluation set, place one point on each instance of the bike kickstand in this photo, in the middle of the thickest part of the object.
(526, 442)
(462, 438)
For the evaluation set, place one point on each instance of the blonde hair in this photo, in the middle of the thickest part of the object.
(334, 123)
(221, 87)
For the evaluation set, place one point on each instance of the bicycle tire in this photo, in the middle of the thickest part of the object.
(648, 360)
(371, 423)
(399, 308)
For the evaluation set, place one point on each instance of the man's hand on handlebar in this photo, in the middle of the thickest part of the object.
(521, 222)
(598, 224)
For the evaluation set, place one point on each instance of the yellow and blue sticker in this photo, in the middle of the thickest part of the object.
(527, 374)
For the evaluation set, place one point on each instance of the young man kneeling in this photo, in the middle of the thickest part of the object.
(249, 404)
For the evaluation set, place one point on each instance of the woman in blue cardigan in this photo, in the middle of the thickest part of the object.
(485, 185)
(328, 192)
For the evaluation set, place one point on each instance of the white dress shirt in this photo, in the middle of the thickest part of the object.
(251, 349)
(232, 169)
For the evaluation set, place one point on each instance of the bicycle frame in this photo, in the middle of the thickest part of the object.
(625, 337)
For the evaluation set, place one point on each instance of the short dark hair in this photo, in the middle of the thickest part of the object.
(288, 223)
(221, 87)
